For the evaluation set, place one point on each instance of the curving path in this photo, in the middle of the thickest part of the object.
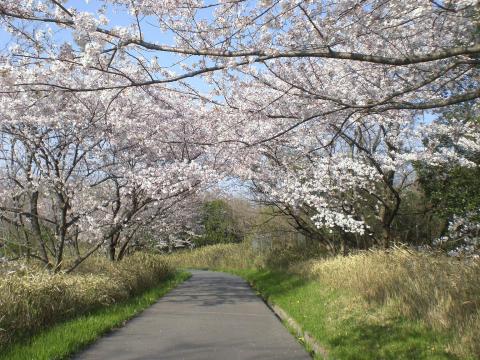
(210, 316)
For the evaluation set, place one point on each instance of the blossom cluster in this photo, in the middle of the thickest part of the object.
(464, 235)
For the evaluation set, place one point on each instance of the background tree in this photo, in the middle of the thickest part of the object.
(219, 224)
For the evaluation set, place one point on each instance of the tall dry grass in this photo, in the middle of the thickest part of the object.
(242, 256)
(217, 257)
(442, 292)
(31, 299)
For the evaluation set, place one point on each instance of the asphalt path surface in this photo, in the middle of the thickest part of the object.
(210, 316)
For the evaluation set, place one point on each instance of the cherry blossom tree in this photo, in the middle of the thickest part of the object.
(324, 106)
(350, 172)
(419, 47)
(78, 168)
(47, 144)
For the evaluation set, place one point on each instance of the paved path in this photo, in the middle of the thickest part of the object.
(210, 316)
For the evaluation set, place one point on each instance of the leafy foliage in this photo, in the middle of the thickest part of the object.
(451, 190)
(218, 223)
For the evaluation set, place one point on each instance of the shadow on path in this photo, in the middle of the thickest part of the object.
(210, 316)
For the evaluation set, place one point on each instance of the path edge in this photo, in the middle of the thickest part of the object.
(85, 347)
(308, 340)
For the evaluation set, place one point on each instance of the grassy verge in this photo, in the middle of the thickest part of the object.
(397, 304)
(64, 339)
(33, 299)
(342, 324)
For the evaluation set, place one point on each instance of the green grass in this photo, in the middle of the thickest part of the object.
(64, 339)
(343, 324)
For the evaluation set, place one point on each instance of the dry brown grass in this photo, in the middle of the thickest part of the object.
(241, 256)
(219, 256)
(442, 292)
(33, 299)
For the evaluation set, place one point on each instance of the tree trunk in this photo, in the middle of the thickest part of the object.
(111, 250)
(389, 209)
(386, 237)
(35, 226)
(61, 232)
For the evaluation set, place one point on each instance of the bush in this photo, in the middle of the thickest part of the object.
(32, 299)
